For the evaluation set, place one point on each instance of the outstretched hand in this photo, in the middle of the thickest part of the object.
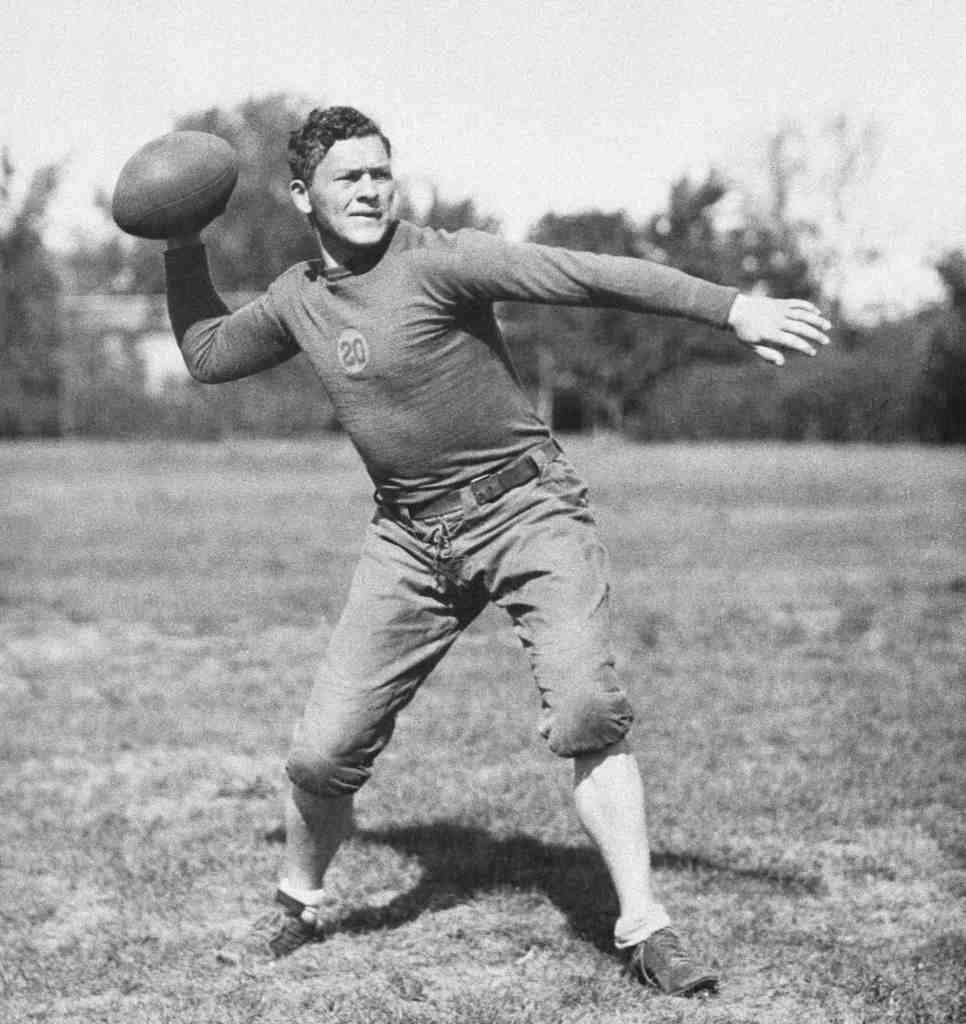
(769, 325)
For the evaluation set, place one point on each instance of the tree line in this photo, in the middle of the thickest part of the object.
(651, 377)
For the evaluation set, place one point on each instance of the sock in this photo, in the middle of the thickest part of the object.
(289, 897)
(629, 933)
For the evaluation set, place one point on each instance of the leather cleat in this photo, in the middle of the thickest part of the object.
(662, 962)
(299, 926)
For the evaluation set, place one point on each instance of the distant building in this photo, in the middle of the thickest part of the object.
(138, 322)
(122, 376)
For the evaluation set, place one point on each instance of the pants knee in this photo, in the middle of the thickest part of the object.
(586, 723)
(326, 776)
(334, 746)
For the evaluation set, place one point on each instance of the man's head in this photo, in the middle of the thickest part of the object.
(342, 179)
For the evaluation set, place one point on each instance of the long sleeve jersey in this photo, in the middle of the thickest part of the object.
(410, 352)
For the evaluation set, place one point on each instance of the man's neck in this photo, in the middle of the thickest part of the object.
(338, 257)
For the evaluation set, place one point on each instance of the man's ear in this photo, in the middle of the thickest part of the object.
(299, 192)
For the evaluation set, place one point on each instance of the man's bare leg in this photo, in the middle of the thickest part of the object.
(609, 795)
(610, 802)
(314, 829)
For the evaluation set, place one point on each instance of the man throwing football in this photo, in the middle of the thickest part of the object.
(475, 502)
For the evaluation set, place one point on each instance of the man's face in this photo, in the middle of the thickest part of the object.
(350, 195)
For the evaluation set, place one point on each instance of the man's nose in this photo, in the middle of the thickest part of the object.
(367, 187)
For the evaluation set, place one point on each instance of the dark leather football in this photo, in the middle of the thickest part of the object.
(174, 185)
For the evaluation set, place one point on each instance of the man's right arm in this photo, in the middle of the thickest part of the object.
(217, 344)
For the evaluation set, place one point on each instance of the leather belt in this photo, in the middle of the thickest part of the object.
(486, 489)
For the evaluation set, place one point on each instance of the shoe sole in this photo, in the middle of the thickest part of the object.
(703, 983)
(292, 936)
(707, 983)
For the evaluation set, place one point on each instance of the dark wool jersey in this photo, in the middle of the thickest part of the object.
(409, 351)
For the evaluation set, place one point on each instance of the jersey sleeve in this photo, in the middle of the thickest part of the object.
(218, 344)
(475, 267)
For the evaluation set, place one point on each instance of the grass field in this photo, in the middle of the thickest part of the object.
(792, 626)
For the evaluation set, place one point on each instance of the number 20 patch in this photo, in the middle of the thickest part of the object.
(353, 351)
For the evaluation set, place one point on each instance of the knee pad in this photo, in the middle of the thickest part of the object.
(326, 776)
(586, 723)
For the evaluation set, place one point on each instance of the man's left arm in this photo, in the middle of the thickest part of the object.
(482, 267)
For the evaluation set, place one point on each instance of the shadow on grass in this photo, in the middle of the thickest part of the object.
(460, 862)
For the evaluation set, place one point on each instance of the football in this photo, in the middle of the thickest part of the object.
(174, 185)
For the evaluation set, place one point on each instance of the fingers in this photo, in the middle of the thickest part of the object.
(782, 325)
(788, 339)
(809, 316)
(804, 330)
(801, 330)
(802, 309)
(770, 355)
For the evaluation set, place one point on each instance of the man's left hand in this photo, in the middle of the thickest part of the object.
(769, 325)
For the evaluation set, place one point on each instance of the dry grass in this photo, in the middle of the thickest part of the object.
(792, 624)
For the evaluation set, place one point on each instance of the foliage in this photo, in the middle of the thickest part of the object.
(684, 235)
(284, 401)
(942, 398)
(615, 358)
(808, 193)
(30, 320)
(898, 381)
(796, 233)
(952, 271)
(103, 390)
(424, 205)
(260, 234)
(604, 353)
(866, 391)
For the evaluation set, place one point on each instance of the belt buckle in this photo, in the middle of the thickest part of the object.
(486, 488)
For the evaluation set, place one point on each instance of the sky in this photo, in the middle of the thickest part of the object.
(558, 106)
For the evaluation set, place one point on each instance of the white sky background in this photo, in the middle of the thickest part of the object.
(527, 107)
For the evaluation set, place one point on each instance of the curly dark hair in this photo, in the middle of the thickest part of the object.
(308, 144)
